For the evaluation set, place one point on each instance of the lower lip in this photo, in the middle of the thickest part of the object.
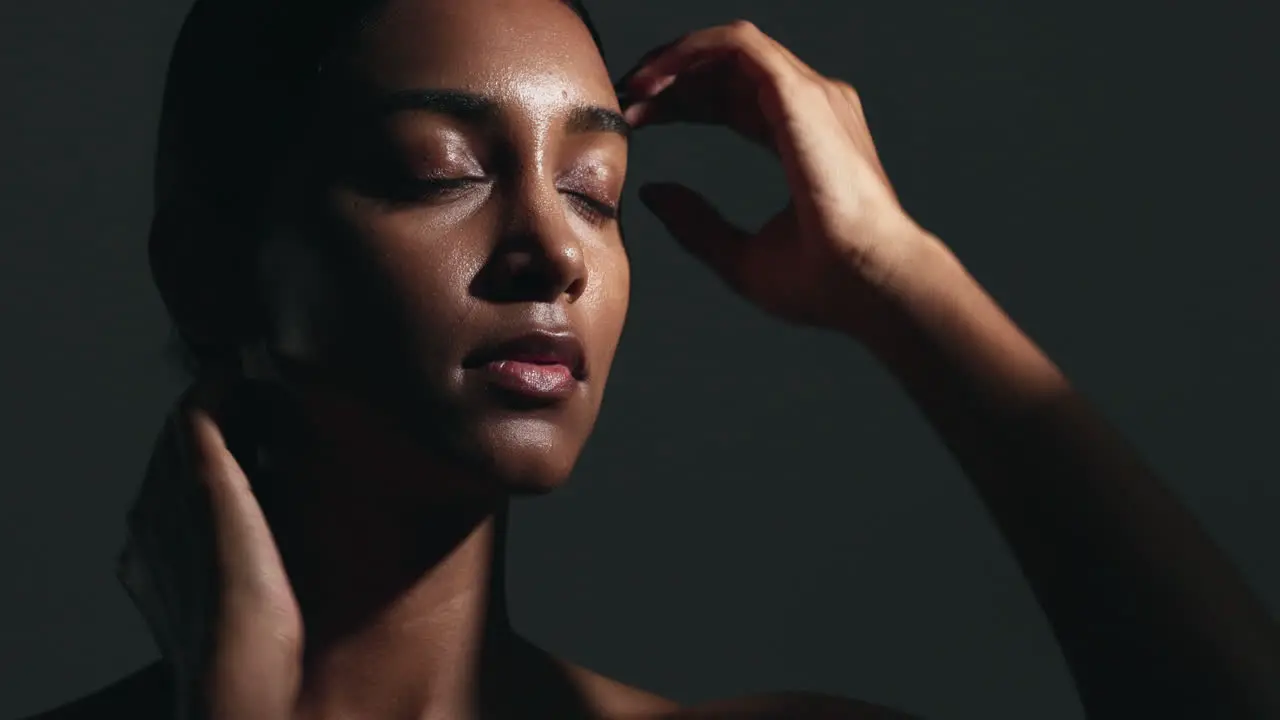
(550, 382)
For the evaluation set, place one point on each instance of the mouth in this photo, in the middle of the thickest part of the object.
(539, 365)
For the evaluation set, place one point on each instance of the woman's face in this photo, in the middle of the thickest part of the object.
(460, 274)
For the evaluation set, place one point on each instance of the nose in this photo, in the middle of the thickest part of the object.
(539, 257)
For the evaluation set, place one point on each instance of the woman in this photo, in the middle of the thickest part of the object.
(390, 236)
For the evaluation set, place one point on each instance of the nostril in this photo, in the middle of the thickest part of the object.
(576, 289)
(533, 267)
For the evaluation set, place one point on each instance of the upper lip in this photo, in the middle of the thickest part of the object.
(544, 347)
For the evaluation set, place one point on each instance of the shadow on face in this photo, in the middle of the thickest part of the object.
(452, 286)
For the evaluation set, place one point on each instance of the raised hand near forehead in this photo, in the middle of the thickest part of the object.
(822, 260)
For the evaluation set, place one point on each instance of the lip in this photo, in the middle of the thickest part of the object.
(540, 365)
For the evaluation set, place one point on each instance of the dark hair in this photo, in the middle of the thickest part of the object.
(242, 77)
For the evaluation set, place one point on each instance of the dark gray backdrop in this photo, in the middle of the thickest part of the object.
(1106, 173)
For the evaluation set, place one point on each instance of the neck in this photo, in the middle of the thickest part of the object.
(402, 597)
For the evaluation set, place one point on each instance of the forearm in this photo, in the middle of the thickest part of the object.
(1153, 619)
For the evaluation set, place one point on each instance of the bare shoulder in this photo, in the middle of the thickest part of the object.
(142, 695)
(789, 706)
(612, 699)
(607, 698)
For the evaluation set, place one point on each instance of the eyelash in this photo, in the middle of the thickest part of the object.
(597, 211)
(435, 188)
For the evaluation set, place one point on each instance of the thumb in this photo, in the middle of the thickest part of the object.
(698, 226)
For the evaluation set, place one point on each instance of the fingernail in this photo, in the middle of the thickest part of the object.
(631, 114)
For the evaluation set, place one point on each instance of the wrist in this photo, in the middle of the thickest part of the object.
(900, 289)
(936, 326)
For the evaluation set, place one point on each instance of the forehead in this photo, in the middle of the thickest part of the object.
(528, 51)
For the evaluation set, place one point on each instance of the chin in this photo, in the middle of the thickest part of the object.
(526, 455)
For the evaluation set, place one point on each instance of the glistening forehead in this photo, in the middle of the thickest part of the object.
(478, 109)
(493, 47)
(242, 76)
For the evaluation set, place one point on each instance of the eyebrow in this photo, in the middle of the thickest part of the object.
(477, 109)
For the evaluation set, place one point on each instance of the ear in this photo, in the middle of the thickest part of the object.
(204, 269)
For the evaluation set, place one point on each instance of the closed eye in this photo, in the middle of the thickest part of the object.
(595, 211)
(443, 189)
(436, 189)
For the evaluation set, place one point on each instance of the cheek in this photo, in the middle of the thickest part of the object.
(369, 280)
(416, 266)
(608, 298)
(301, 299)
(424, 276)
